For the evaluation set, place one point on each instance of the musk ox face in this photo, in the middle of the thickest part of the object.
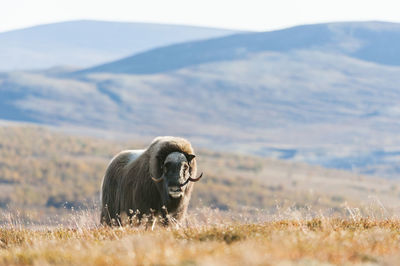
(175, 175)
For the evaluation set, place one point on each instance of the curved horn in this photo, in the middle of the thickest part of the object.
(157, 180)
(196, 179)
(192, 180)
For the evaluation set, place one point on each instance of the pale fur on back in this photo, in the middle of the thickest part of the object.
(127, 186)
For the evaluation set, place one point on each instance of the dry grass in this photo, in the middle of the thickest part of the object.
(38, 179)
(209, 238)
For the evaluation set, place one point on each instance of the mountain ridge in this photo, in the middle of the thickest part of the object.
(356, 39)
(319, 104)
(83, 43)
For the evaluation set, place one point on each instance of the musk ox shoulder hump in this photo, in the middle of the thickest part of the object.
(134, 154)
(126, 156)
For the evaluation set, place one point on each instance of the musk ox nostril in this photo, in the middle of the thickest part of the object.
(175, 189)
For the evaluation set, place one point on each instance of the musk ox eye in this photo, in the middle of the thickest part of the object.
(167, 166)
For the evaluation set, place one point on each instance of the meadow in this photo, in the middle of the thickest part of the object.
(209, 238)
(45, 172)
(247, 210)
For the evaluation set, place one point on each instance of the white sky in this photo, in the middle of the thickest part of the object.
(235, 14)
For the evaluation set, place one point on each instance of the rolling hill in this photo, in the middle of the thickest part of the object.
(317, 99)
(85, 43)
(369, 41)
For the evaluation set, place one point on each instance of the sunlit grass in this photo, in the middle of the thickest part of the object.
(310, 215)
(209, 237)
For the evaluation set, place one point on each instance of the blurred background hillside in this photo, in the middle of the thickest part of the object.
(324, 94)
(44, 171)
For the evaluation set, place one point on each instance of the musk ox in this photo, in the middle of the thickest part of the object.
(154, 182)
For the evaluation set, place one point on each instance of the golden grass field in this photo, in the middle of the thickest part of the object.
(246, 211)
(44, 172)
(208, 239)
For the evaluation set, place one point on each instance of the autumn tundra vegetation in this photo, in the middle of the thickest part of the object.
(246, 210)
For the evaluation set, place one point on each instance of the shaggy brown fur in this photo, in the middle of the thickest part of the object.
(128, 187)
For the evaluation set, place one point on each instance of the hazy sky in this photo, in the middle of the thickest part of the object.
(235, 14)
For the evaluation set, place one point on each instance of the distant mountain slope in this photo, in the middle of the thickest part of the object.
(371, 41)
(311, 106)
(316, 99)
(85, 43)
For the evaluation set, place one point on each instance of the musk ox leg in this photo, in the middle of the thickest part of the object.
(105, 217)
(164, 216)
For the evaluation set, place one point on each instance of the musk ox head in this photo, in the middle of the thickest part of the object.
(176, 172)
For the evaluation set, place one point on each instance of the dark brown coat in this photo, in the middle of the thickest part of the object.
(128, 187)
